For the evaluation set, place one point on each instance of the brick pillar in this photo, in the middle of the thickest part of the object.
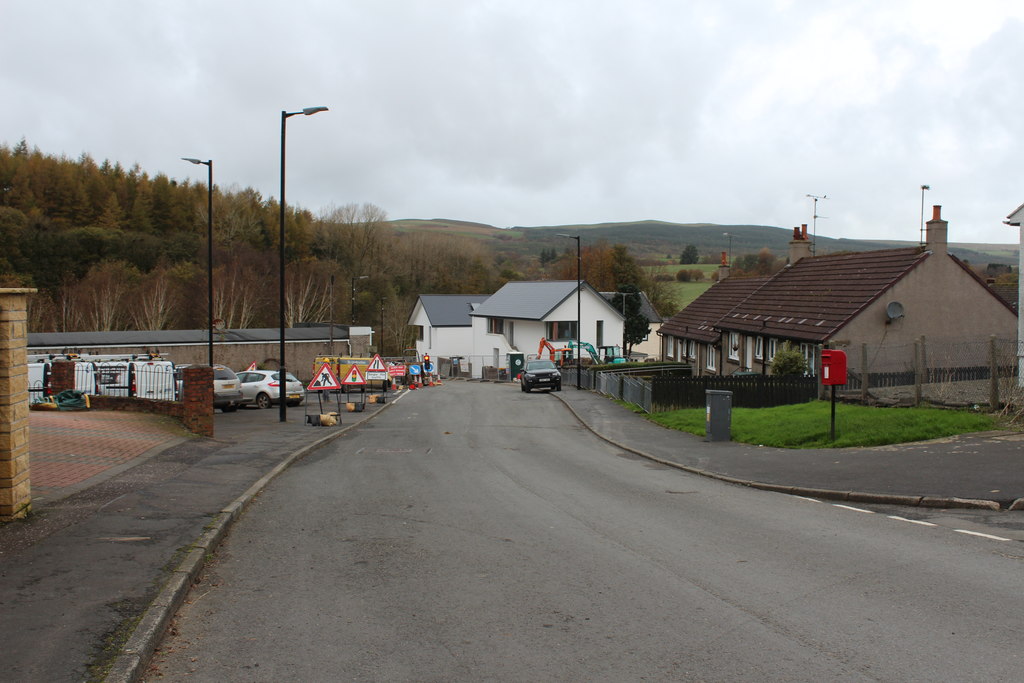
(15, 490)
(62, 376)
(197, 395)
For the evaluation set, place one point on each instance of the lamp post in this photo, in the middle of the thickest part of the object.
(352, 312)
(282, 374)
(579, 270)
(209, 251)
(380, 343)
(923, 188)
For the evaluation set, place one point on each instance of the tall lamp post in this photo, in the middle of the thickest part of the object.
(209, 251)
(579, 271)
(282, 373)
(380, 343)
(352, 312)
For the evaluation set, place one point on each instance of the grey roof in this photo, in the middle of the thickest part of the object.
(528, 300)
(451, 310)
(70, 340)
(646, 307)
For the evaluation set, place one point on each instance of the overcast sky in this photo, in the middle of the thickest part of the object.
(545, 112)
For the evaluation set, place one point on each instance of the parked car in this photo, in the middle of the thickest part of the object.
(226, 392)
(540, 374)
(261, 387)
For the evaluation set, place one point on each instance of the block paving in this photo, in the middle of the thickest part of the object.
(69, 448)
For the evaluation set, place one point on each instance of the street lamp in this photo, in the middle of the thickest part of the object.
(579, 270)
(285, 115)
(380, 342)
(923, 188)
(209, 250)
(352, 313)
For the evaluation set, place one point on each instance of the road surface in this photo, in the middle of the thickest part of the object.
(475, 533)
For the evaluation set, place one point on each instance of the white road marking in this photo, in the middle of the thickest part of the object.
(813, 500)
(847, 507)
(978, 533)
(912, 521)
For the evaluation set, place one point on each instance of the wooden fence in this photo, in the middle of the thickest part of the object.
(748, 391)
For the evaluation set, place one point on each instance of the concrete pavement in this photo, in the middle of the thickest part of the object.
(129, 508)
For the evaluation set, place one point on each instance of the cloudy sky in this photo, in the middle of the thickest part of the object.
(544, 112)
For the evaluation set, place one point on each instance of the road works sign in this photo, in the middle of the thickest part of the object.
(376, 369)
(324, 380)
(354, 376)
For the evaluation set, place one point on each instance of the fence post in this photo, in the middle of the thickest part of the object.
(865, 375)
(918, 370)
(993, 376)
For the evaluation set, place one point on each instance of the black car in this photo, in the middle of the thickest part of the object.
(540, 374)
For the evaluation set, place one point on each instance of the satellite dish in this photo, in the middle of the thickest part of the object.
(894, 310)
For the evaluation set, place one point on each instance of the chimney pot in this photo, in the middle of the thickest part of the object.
(937, 212)
(725, 262)
(803, 231)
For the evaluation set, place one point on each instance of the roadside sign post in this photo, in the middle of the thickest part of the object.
(323, 380)
(355, 378)
(376, 370)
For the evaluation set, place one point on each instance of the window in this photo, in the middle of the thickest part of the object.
(496, 325)
(734, 346)
(600, 333)
(759, 348)
(810, 352)
(773, 346)
(711, 360)
(419, 332)
(561, 330)
(693, 349)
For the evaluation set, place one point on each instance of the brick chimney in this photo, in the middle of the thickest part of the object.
(936, 233)
(723, 268)
(799, 246)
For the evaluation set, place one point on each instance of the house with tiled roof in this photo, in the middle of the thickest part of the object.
(691, 335)
(484, 329)
(892, 296)
(443, 324)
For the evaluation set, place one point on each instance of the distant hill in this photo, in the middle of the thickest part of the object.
(658, 239)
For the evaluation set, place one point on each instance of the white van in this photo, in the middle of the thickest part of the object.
(39, 389)
(152, 379)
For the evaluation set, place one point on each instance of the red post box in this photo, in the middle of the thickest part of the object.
(833, 367)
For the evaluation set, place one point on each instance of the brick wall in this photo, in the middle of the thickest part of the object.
(195, 410)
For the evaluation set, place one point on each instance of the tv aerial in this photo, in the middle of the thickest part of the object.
(814, 220)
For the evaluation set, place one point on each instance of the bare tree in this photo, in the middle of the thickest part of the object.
(307, 292)
(100, 296)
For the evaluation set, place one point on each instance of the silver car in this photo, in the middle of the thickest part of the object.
(261, 388)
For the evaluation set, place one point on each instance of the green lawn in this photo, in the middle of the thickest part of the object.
(806, 425)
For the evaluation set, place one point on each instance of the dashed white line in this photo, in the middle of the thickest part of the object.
(978, 533)
(847, 507)
(912, 521)
(813, 500)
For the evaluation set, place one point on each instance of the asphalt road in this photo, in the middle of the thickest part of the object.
(475, 533)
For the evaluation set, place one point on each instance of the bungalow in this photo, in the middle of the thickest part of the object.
(443, 325)
(516, 317)
(841, 300)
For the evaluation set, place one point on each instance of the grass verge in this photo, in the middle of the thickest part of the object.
(806, 425)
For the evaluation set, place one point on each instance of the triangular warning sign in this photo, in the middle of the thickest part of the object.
(324, 379)
(376, 364)
(354, 376)
(252, 366)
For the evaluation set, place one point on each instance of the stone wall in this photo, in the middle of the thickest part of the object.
(15, 492)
